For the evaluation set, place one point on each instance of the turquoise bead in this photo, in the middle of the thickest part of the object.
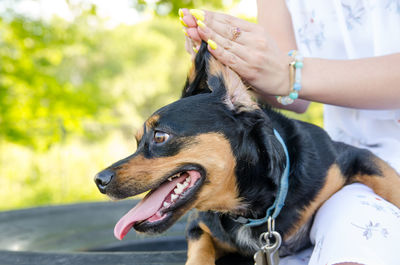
(298, 64)
(297, 86)
(294, 95)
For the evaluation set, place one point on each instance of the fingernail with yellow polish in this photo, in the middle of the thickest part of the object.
(195, 50)
(198, 14)
(201, 24)
(184, 31)
(212, 44)
(180, 12)
(182, 22)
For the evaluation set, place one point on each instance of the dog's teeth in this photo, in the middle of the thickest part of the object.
(172, 177)
(166, 204)
(179, 188)
(174, 197)
(188, 179)
(185, 184)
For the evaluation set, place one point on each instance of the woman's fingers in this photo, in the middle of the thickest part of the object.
(191, 47)
(190, 26)
(228, 58)
(227, 26)
(229, 38)
(230, 33)
(186, 19)
(234, 48)
(193, 34)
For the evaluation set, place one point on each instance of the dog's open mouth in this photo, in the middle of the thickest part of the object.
(160, 203)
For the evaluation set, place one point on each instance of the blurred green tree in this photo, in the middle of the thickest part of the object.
(60, 78)
(45, 93)
(55, 78)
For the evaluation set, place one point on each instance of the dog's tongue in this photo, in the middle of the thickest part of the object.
(145, 208)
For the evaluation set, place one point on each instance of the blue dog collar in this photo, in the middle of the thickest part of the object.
(276, 208)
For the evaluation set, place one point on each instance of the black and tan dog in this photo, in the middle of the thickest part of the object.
(215, 150)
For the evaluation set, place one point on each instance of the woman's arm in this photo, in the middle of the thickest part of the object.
(371, 83)
(257, 56)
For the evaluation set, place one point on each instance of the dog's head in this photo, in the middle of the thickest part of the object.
(191, 152)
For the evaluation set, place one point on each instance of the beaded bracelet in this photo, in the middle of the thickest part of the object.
(295, 78)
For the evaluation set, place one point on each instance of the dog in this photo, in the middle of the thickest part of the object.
(218, 150)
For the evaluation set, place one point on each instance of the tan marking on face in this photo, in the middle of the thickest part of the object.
(201, 251)
(150, 123)
(387, 186)
(334, 181)
(221, 192)
(237, 92)
(212, 151)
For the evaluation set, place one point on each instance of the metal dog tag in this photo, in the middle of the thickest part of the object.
(271, 250)
(268, 254)
(260, 258)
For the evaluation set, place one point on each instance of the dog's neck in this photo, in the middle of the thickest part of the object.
(278, 195)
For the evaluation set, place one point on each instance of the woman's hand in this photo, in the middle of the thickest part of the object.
(243, 46)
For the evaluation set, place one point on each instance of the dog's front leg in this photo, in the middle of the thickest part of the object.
(201, 250)
(207, 239)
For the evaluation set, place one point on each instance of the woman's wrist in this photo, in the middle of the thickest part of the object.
(368, 83)
(295, 66)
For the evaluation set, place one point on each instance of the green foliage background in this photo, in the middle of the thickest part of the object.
(72, 94)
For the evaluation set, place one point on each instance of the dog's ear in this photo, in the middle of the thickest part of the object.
(271, 148)
(258, 144)
(196, 82)
(210, 76)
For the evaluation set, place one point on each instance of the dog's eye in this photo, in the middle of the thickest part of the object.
(160, 137)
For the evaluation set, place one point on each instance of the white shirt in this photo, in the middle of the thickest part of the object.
(352, 29)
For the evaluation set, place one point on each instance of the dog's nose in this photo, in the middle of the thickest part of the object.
(103, 178)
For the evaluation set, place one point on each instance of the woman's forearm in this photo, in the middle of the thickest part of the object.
(371, 83)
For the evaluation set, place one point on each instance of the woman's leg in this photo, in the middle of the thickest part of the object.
(356, 226)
